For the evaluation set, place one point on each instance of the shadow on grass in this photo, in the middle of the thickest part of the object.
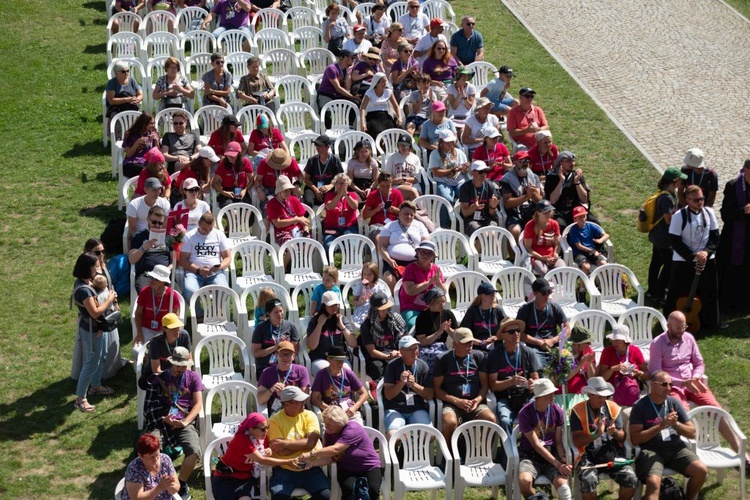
(738, 321)
(100, 6)
(42, 412)
(102, 212)
(104, 484)
(90, 148)
(99, 48)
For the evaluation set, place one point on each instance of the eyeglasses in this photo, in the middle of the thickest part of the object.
(219, 62)
(665, 384)
(98, 252)
(697, 200)
(125, 71)
(513, 331)
(157, 222)
(193, 190)
(470, 24)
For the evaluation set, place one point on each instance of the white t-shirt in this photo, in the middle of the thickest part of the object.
(139, 209)
(352, 46)
(696, 232)
(476, 127)
(376, 103)
(377, 27)
(359, 170)
(459, 158)
(399, 165)
(195, 214)
(401, 244)
(424, 44)
(463, 110)
(205, 250)
(414, 27)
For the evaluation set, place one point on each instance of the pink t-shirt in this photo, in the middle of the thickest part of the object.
(278, 210)
(417, 275)
(333, 219)
(493, 159)
(626, 387)
(520, 119)
(543, 244)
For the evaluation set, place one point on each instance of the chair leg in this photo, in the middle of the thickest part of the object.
(720, 474)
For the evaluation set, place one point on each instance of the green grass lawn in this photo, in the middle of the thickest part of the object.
(57, 193)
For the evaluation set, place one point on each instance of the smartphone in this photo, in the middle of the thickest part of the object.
(388, 204)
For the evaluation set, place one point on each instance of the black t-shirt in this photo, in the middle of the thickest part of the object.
(523, 362)
(385, 344)
(542, 324)
(81, 292)
(392, 375)
(569, 196)
(151, 257)
(468, 193)
(266, 335)
(648, 414)
(659, 235)
(459, 371)
(707, 180)
(159, 348)
(324, 172)
(429, 322)
(483, 324)
(330, 335)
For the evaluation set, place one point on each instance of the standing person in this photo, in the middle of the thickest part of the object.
(407, 385)
(733, 258)
(543, 319)
(699, 175)
(565, 187)
(525, 120)
(460, 381)
(511, 370)
(541, 450)
(89, 332)
(283, 374)
(269, 335)
(598, 433)
(694, 234)
(172, 413)
(483, 317)
(320, 171)
(522, 190)
(217, 83)
(480, 199)
(657, 424)
(661, 258)
(467, 44)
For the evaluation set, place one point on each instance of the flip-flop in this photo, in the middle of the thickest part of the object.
(102, 389)
(84, 406)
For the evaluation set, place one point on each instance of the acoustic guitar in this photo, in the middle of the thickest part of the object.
(691, 305)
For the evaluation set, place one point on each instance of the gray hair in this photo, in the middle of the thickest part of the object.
(336, 414)
(340, 176)
(121, 66)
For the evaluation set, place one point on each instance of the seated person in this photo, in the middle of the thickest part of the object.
(342, 212)
(151, 472)
(336, 83)
(585, 368)
(497, 92)
(233, 178)
(138, 209)
(190, 210)
(138, 140)
(418, 278)
(320, 171)
(283, 374)
(397, 242)
(363, 169)
(598, 433)
(658, 423)
(122, 93)
(525, 120)
(460, 95)
(623, 364)
(268, 336)
(156, 167)
(330, 283)
(380, 334)
(217, 86)
(161, 348)
(543, 154)
(278, 162)
(286, 213)
(255, 87)
(434, 326)
(586, 241)
(420, 101)
(480, 199)
(180, 147)
(172, 413)
(541, 448)
(228, 131)
(146, 250)
(541, 238)
(328, 328)
(543, 318)
(264, 139)
(407, 385)
(477, 123)
(493, 152)
(358, 45)
(460, 381)
(232, 16)
(405, 167)
(483, 317)
(382, 204)
(154, 303)
(521, 190)
(172, 88)
(200, 170)
(368, 285)
(338, 385)
(450, 169)
(438, 121)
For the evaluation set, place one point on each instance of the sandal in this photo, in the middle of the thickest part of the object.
(102, 389)
(84, 406)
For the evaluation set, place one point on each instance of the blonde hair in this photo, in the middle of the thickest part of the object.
(478, 300)
(264, 296)
(373, 268)
(336, 414)
(99, 283)
(333, 272)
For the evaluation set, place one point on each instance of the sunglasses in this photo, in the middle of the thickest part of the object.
(439, 48)
(513, 331)
(471, 24)
(157, 222)
(481, 172)
(179, 124)
(263, 428)
(414, 6)
(408, 51)
(193, 190)
(697, 200)
(528, 96)
(665, 384)
(98, 252)
(219, 62)
(125, 71)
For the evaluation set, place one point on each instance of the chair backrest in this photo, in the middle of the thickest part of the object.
(343, 147)
(465, 284)
(155, 67)
(302, 252)
(396, 10)
(294, 88)
(598, 322)
(439, 8)
(237, 399)
(297, 118)
(481, 440)
(239, 217)
(364, 9)
(232, 41)
(308, 37)
(164, 118)
(255, 255)
(278, 63)
(353, 248)
(483, 72)
(396, 293)
(127, 21)
(608, 279)
(269, 18)
(433, 204)
(301, 17)
(248, 114)
(514, 283)
(387, 143)
(417, 446)
(707, 420)
(221, 348)
(315, 61)
(162, 44)
(189, 20)
(566, 283)
(208, 118)
(124, 45)
(214, 449)
(137, 70)
(159, 20)
(493, 243)
(269, 39)
(197, 65)
(120, 124)
(450, 245)
(640, 320)
(236, 64)
(198, 42)
(303, 148)
(304, 289)
(219, 302)
(281, 293)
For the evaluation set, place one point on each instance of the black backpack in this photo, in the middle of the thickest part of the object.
(670, 489)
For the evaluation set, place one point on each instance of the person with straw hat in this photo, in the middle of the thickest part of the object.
(278, 162)
(623, 364)
(286, 212)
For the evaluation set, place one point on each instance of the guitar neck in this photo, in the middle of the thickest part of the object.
(694, 285)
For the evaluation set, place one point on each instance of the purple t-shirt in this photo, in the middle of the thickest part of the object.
(179, 391)
(336, 389)
(332, 72)
(360, 457)
(230, 16)
(137, 473)
(543, 424)
(296, 376)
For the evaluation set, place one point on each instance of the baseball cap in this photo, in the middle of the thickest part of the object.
(436, 21)
(233, 149)
(407, 341)
(479, 165)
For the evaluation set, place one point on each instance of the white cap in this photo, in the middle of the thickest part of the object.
(446, 135)
(479, 165)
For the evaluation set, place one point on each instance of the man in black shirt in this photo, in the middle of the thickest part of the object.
(543, 320)
(480, 199)
(565, 187)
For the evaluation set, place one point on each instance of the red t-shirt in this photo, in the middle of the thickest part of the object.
(494, 160)
(520, 119)
(231, 179)
(543, 244)
(140, 185)
(237, 458)
(155, 308)
(540, 165)
(375, 198)
(578, 381)
(262, 141)
(342, 210)
(277, 210)
(269, 175)
(215, 141)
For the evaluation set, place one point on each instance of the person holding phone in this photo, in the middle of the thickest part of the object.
(328, 328)
(565, 186)
(233, 177)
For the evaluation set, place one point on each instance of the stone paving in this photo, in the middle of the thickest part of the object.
(675, 74)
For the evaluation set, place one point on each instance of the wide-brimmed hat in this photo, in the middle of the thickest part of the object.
(380, 301)
(481, 102)
(581, 335)
(160, 273)
(427, 245)
(337, 352)
(279, 159)
(597, 386)
(282, 184)
(693, 158)
(543, 386)
(372, 53)
(180, 357)
(620, 332)
(463, 336)
(293, 393)
(171, 320)
(508, 322)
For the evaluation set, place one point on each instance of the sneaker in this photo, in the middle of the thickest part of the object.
(184, 491)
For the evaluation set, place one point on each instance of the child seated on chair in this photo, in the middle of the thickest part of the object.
(368, 285)
(264, 296)
(330, 284)
(586, 240)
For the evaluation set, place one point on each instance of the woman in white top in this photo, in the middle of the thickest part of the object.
(375, 116)
(479, 120)
(397, 242)
(194, 206)
(450, 169)
(404, 165)
(363, 169)
(461, 94)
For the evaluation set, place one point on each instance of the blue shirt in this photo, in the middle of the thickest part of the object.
(467, 47)
(585, 236)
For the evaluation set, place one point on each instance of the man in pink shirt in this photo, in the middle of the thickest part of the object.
(676, 352)
(525, 120)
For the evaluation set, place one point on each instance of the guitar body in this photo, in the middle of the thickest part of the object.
(692, 313)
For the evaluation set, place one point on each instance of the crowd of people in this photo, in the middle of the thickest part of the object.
(453, 137)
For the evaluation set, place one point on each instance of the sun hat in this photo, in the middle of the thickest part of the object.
(620, 332)
(331, 299)
(481, 102)
(285, 345)
(233, 149)
(373, 53)
(508, 322)
(336, 352)
(279, 159)
(581, 335)
(161, 273)
(407, 341)
(180, 357)
(597, 386)
(693, 157)
(208, 152)
(463, 336)
(171, 320)
(427, 245)
(293, 393)
(543, 387)
(282, 184)
(380, 301)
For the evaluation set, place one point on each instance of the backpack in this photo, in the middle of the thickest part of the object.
(112, 235)
(361, 489)
(645, 222)
(670, 489)
(119, 270)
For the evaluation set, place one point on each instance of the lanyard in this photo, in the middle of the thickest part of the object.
(169, 348)
(339, 389)
(546, 317)
(385, 210)
(458, 367)
(517, 362)
(278, 374)
(276, 336)
(546, 426)
(488, 322)
(692, 177)
(324, 168)
(153, 302)
(627, 355)
(176, 392)
(405, 230)
(413, 370)
(659, 412)
(479, 194)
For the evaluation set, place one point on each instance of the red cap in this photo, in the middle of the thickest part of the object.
(436, 21)
(359, 27)
(579, 210)
(520, 155)
(233, 149)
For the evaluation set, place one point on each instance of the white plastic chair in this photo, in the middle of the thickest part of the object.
(232, 41)
(364, 9)
(451, 247)
(419, 471)
(465, 283)
(386, 143)
(707, 443)
(154, 70)
(301, 17)
(294, 88)
(127, 20)
(303, 253)
(308, 37)
(163, 120)
(254, 256)
(247, 115)
(118, 125)
(221, 310)
(396, 10)
(221, 349)
(481, 440)
(304, 289)
(599, 323)
(159, 20)
(353, 248)
(238, 223)
(253, 291)
(236, 64)
(439, 8)
(515, 285)
(208, 118)
(302, 148)
(566, 288)
(270, 39)
(640, 321)
(348, 289)
(161, 44)
(189, 20)
(493, 247)
(608, 279)
(278, 63)
(483, 71)
(298, 118)
(124, 45)
(197, 65)
(381, 445)
(140, 394)
(343, 146)
(195, 42)
(237, 399)
(314, 63)
(609, 248)
(127, 190)
(214, 450)
(433, 204)
(268, 18)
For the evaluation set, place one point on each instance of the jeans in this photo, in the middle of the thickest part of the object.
(193, 282)
(394, 420)
(449, 193)
(505, 416)
(283, 482)
(503, 105)
(659, 272)
(94, 354)
(218, 31)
